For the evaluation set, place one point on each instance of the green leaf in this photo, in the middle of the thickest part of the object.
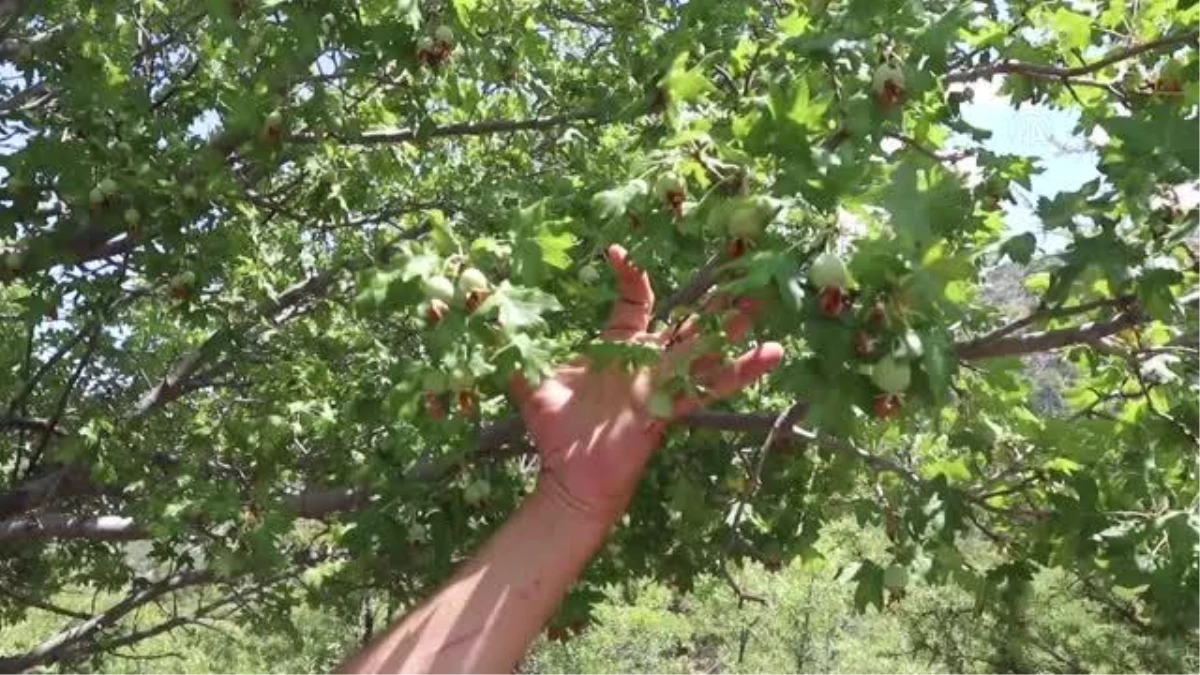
(519, 308)
(1020, 248)
(685, 84)
(870, 587)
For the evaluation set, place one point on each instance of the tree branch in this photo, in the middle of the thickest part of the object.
(55, 647)
(459, 129)
(1047, 340)
(1039, 70)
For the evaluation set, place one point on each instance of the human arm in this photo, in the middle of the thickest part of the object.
(595, 434)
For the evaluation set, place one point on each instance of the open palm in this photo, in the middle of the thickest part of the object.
(593, 426)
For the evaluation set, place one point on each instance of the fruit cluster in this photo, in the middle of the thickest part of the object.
(891, 374)
(471, 290)
(433, 50)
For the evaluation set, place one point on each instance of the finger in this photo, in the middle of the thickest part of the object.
(635, 301)
(520, 389)
(734, 377)
(737, 323)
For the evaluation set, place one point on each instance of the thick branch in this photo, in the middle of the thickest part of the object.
(1040, 70)
(1045, 341)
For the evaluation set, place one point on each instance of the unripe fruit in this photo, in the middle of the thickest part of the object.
(864, 344)
(895, 577)
(669, 185)
(273, 126)
(589, 275)
(745, 222)
(108, 187)
(181, 284)
(434, 407)
(12, 261)
(478, 491)
(467, 402)
(661, 405)
(444, 35)
(461, 380)
(891, 375)
(435, 381)
(424, 45)
(96, 198)
(886, 406)
(827, 271)
(417, 533)
(190, 192)
(832, 300)
(1170, 78)
(438, 287)
(436, 312)
(888, 83)
(472, 280)
(132, 217)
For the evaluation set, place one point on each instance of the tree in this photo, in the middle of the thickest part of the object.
(225, 332)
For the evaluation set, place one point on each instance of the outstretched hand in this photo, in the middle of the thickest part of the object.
(593, 427)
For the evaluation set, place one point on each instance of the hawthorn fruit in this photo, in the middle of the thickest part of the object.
(888, 83)
(891, 375)
(435, 312)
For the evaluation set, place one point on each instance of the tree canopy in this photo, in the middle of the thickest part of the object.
(242, 347)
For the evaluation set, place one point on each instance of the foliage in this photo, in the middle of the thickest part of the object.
(642, 626)
(219, 337)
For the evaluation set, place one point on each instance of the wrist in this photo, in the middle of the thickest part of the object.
(586, 516)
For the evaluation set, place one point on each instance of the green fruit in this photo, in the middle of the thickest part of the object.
(745, 222)
(108, 187)
(472, 280)
(886, 73)
(444, 34)
(1172, 70)
(668, 184)
(13, 261)
(891, 375)
(478, 491)
(424, 44)
(462, 380)
(96, 198)
(828, 271)
(132, 217)
(589, 275)
(895, 577)
(438, 287)
(661, 405)
(190, 192)
(183, 281)
(435, 381)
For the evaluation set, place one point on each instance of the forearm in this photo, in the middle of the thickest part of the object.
(486, 616)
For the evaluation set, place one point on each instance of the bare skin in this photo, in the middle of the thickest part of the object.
(595, 434)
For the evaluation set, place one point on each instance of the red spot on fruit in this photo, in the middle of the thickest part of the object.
(436, 312)
(736, 248)
(832, 301)
(467, 402)
(675, 200)
(864, 344)
(434, 407)
(886, 406)
(892, 93)
(475, 299)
